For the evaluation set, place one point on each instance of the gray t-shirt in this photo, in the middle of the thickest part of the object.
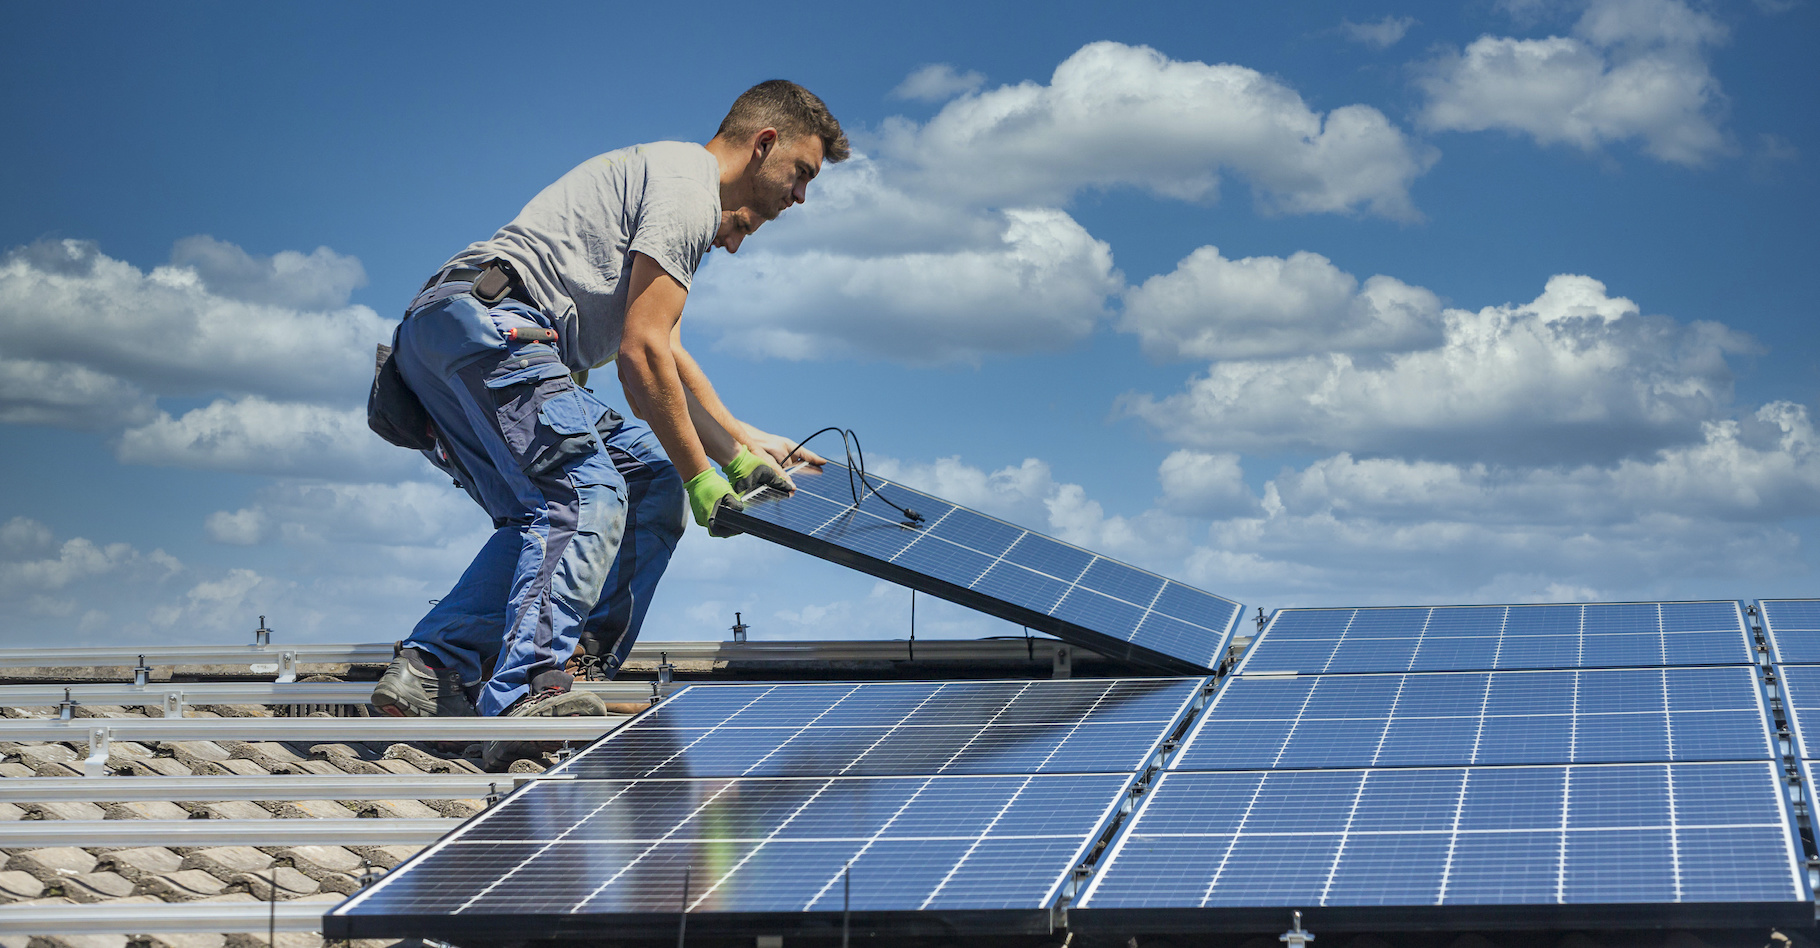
(573, 243)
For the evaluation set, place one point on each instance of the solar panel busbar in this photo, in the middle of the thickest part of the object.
(997, 568)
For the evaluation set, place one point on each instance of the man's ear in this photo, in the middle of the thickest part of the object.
(762, 142)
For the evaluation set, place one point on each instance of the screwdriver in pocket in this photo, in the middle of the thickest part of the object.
(530, 334)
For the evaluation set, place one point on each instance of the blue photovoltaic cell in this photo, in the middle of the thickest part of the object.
(1487, 638)
(998, 568)
(1636, 833)
(974, 795)
(1801, 697)
(1793, 626)
(605, 847)
(1454, 718)
(891, 728)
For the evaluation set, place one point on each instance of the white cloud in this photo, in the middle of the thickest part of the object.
(243, 527)
(253, 435)
(1199, 484)
(67, 395)
(279, 327)
(409, 514)
(1573, 375)
(1381, 34)
(936, 82)
(1115, 115)
(1631, 70)
(1214, 308)
(1043, 287)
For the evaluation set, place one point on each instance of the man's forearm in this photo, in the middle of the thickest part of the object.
(651, 380)
(720, 445)
(702, 390)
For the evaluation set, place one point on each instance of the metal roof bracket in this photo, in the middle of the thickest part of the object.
(287, 666)
(100, 742)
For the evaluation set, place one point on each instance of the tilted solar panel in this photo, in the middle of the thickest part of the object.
(1800, 685)
(1607, 845)
(1793, 628)
(1488, 638)
(1459, 718)
(960, 806)
(984, 563)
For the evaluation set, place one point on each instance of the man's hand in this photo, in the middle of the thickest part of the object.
(748, 472)
(709, 492)
(780, 451)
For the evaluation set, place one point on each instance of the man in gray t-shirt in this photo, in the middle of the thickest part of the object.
(586, 505)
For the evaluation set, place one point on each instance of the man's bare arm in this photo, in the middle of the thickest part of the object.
(776, 449)
(648, 369)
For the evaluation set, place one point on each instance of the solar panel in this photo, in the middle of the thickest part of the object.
(1801, 699)
(1678, 842)
(959, 806)
(1453, 718)
(989, 565)
(1487, 638)
(1793, 628)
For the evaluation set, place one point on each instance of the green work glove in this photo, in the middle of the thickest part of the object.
(748, 472)
(709, 492)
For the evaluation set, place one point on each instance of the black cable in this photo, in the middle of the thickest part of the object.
(856, 467)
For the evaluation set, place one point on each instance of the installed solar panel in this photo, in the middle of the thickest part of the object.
(1793, 627)
(890, 728)
(1707, 841)
(1801, 699)
(959, 805)
(1486, 638)
(1002, 570)
(1454, 718)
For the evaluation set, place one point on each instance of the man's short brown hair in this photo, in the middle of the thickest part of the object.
(789, 108)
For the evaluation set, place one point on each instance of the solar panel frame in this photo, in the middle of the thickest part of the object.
(821, 520)
(1303, 640)
(1799, 686)
(1219, 805)
(1422, 719)
(480, 837)
(1792, 627)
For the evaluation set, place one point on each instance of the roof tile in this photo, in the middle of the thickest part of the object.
(96, 887)
(184, 885)
(227, 862)
(50, 864)
(291, 884)
(16, 884)
(136, 864)
(147, 810)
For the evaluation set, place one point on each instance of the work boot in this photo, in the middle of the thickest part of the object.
(496, 756)
(413, 688)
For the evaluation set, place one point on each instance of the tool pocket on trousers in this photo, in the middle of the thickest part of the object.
(547, 421)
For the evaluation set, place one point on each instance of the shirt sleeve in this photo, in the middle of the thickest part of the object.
(676, 225)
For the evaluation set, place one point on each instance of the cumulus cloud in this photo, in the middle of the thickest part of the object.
(68, 395)
(1114, 115)
(1630, 70)
(1044, 286)
(1573, 375)
(279, 326)
(1380, 34)
(1210, 307)
(254, 435)
(936, 82)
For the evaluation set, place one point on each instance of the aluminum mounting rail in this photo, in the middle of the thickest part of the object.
(266, 659)
(463, 786)
(144, 918)
(101, 732)
(175, 696)
(124, 834)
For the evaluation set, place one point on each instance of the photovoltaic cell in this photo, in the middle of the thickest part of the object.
(969, 802)
(892, 728)
(602, 849)
(1793, 627)
(986, 564)
(1489, 638)
(1452, 718)
(1801, 698)
(1563, 835)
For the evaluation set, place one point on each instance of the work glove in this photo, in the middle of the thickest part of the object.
(748, 471)
(709, 493)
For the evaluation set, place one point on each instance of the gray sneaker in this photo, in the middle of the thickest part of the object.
(548, 703)
(411, 688)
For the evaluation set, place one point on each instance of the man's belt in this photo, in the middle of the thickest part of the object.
(494, 282)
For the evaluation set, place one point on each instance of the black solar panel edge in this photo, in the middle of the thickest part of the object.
(1106, 645)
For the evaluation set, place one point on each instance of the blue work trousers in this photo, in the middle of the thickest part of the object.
(586, 508)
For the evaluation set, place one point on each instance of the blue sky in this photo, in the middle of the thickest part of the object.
(1337, 304)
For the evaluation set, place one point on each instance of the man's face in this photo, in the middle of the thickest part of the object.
(777, 177)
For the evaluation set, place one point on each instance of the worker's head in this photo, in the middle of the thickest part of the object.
(776, 135)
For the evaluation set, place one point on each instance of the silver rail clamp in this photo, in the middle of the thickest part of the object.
(66, 709)
(142, 673)
(1296, 937)
(100, 743)
(739, 628)
(262, 636)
